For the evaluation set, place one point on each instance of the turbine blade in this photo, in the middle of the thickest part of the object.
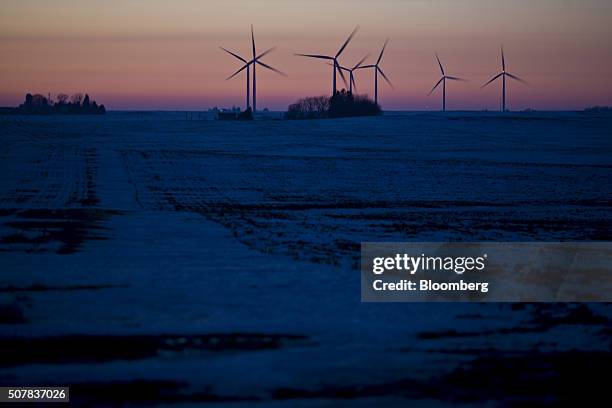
(517, 78)
(382, 51)
(492, 79)
(341, 74)
(452, 78)
(266, 52)
(339, 67)
(435, 86)
(237, 72)
(353, 81)
(440, 64)
(366, 66)
(347, 41)
(327, 57)
(361, 61)
(385, 77)
(235, 55)
(271, 68)
(503, 59)
(253, 40)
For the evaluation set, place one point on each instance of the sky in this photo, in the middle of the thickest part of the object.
(156, 54)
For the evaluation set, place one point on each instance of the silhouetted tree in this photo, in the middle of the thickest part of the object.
(309, 108)
(86, 102)
(62, 99)
(39, 101)
(77, 98)
(342, 104)
(34, 104)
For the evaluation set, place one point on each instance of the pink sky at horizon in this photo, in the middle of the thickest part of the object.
(153, 54)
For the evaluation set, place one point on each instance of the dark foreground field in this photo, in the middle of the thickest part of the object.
(146, 258)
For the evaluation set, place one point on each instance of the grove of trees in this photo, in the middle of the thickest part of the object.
(76, 104)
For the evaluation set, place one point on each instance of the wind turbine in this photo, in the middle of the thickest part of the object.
(378, 70)
(334, 59)
(352, 82)
(253, 62)
(443, 82)
(504, 74)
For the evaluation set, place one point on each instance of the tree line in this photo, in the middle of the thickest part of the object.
(75, 104)
(341, 104)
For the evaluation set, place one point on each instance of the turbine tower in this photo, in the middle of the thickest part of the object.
(254, 77)
(443, 82)
(247, 65)
(352, 82)
(378, 70)
(504, 74)
(334, 59)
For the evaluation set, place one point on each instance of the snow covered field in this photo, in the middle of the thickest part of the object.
(147, 257)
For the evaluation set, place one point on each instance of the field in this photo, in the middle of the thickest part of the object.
(147, 257)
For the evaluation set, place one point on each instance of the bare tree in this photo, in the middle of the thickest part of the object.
(311, 107)
(62, 98)
(77, 98)
(39, 100)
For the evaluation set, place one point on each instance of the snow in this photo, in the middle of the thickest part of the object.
(197, 226)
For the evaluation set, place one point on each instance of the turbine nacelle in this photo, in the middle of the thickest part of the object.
(256, 60)
(334, 59)
(376, 66)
